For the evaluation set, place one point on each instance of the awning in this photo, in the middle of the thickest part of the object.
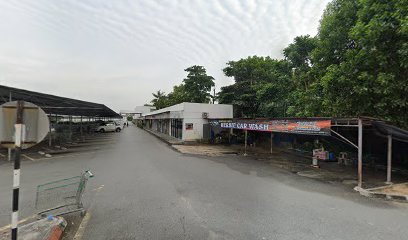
(308, 126)
(52, 104)
(385, 130)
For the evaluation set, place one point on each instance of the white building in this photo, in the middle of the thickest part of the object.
(144, 109)
(137, 112)
(185, 120)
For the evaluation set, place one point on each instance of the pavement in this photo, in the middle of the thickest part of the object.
(144, 189)
(165, 137)
(374, 176)
(206, 150)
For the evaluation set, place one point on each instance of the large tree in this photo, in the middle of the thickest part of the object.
(160, 99)
(334, 34)
(299, 56)
(363, 70)
(379, 62)
(242, 96)
(196, 88)
(197, 85)
(178, 95)
(260, 87)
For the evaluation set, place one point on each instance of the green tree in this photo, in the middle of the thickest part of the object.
(334, 34)
(160, 99)
(379, 63)
(299, 56)
(197, 85)
(178, 95)
(195, 88)
(367, 73)
(260, 87)
(242, 96)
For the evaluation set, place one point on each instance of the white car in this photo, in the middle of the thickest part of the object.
(108, 127)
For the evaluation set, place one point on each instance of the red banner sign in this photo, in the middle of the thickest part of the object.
(312, 127)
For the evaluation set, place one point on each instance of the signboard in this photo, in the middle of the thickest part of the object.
(34, 129)
(189, 126)
(311, 127)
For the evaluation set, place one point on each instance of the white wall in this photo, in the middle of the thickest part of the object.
(174, 108)
(193, 114)
(197, 131)
(213, 110)
(143, 109)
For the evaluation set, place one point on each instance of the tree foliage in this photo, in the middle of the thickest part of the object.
(195, 87)
(159, 100)
(198, 84)
(356, 65)
(261, 86)
(371, 76)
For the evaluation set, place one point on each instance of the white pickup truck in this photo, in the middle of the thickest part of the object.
(108, 127)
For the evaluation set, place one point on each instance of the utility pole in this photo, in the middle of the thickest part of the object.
(9, 149)
(16, 179)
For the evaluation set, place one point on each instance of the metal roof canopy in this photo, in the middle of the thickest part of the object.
(52, 104)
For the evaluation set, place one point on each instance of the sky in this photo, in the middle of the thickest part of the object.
(118, 52)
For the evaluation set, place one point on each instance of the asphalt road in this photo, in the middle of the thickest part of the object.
(143, 189)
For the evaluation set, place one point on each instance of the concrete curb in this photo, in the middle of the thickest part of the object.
(82, 226)
(162, 139)
(373, 193)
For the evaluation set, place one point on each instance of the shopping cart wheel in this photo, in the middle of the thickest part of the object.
(83, 213)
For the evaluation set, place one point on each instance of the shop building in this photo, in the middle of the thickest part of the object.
(185, 121)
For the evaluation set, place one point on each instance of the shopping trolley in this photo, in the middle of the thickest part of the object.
(63, 196)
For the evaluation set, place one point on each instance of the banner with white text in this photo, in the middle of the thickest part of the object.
(311, 127)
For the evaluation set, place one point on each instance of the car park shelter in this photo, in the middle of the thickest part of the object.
(185, 121)
(322, 127)
(57, 105)
(66, 110)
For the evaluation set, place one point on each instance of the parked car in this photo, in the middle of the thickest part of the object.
(108, 127)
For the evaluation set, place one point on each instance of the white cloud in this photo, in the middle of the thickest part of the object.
(118, 52)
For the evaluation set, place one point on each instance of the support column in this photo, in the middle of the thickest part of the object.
(360, 153)
(271, 142)
(246, 137)
(57, 138)
(9, 151)
(389, 160)
(81, 131)
(9, 154)
(49, 132)
(70, 129)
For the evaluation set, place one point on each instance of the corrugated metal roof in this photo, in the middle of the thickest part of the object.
(52, 104)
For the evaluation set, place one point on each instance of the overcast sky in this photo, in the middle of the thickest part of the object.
(119, 52)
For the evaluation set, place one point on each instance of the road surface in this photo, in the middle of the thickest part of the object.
(143, 189)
